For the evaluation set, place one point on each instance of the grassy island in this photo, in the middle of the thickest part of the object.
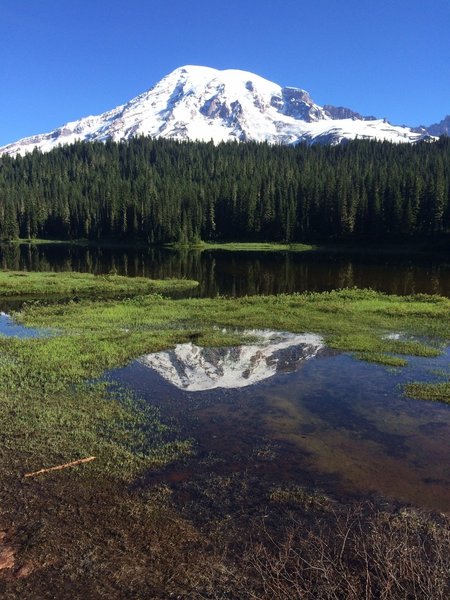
(68, 284)
(243, 246)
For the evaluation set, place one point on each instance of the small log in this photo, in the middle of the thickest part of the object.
(64, 466)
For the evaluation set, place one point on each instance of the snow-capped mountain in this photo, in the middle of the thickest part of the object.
(201, 103)
(437, 129)
(193, 368)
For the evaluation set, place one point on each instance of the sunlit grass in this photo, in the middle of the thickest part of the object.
(351, 320)
(23, 283)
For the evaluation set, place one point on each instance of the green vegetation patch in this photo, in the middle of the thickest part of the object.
(22, 283)
(382, 359)
(49, 414)
(53, 411)
(439, 392)
(42, 427)
(44, 379)
(247, 246)
(95, 335)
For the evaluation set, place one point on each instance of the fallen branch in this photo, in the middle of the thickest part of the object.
(59, 467)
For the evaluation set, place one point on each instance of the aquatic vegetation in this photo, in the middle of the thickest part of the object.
(53, 411)
(382, 359)
(302, 497)
(439, 392)
(441, 373)
(99, 335)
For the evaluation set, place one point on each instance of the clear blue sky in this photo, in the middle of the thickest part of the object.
(65, 59)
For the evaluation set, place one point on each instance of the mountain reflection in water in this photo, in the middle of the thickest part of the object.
(194, 368)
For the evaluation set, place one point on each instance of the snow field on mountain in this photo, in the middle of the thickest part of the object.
(204, 104)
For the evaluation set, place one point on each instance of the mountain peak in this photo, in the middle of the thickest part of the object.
(202, 103)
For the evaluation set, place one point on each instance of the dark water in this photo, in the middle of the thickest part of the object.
(241, 273)
(332, 423)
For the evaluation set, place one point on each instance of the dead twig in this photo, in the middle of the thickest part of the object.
(59, 467)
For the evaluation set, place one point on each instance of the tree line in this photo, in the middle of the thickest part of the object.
(159, 191)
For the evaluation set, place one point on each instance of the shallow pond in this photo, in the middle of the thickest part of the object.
(318, 418)
(9, 328)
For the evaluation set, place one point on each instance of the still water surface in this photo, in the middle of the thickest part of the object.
(321, 419)
(243, 273)
(9, 328)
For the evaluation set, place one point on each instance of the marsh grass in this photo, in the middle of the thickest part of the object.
(438, 392)
(84, 531)
(259, 247)
(103, 334)
(244, 246)
(299, 496)
(441, 373)
(54, 409)
(388, 360)
(23, 283)
(352, 319)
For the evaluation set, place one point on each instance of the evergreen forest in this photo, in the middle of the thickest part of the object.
(162, 191)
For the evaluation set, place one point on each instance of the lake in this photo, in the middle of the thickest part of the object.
(243, 273)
